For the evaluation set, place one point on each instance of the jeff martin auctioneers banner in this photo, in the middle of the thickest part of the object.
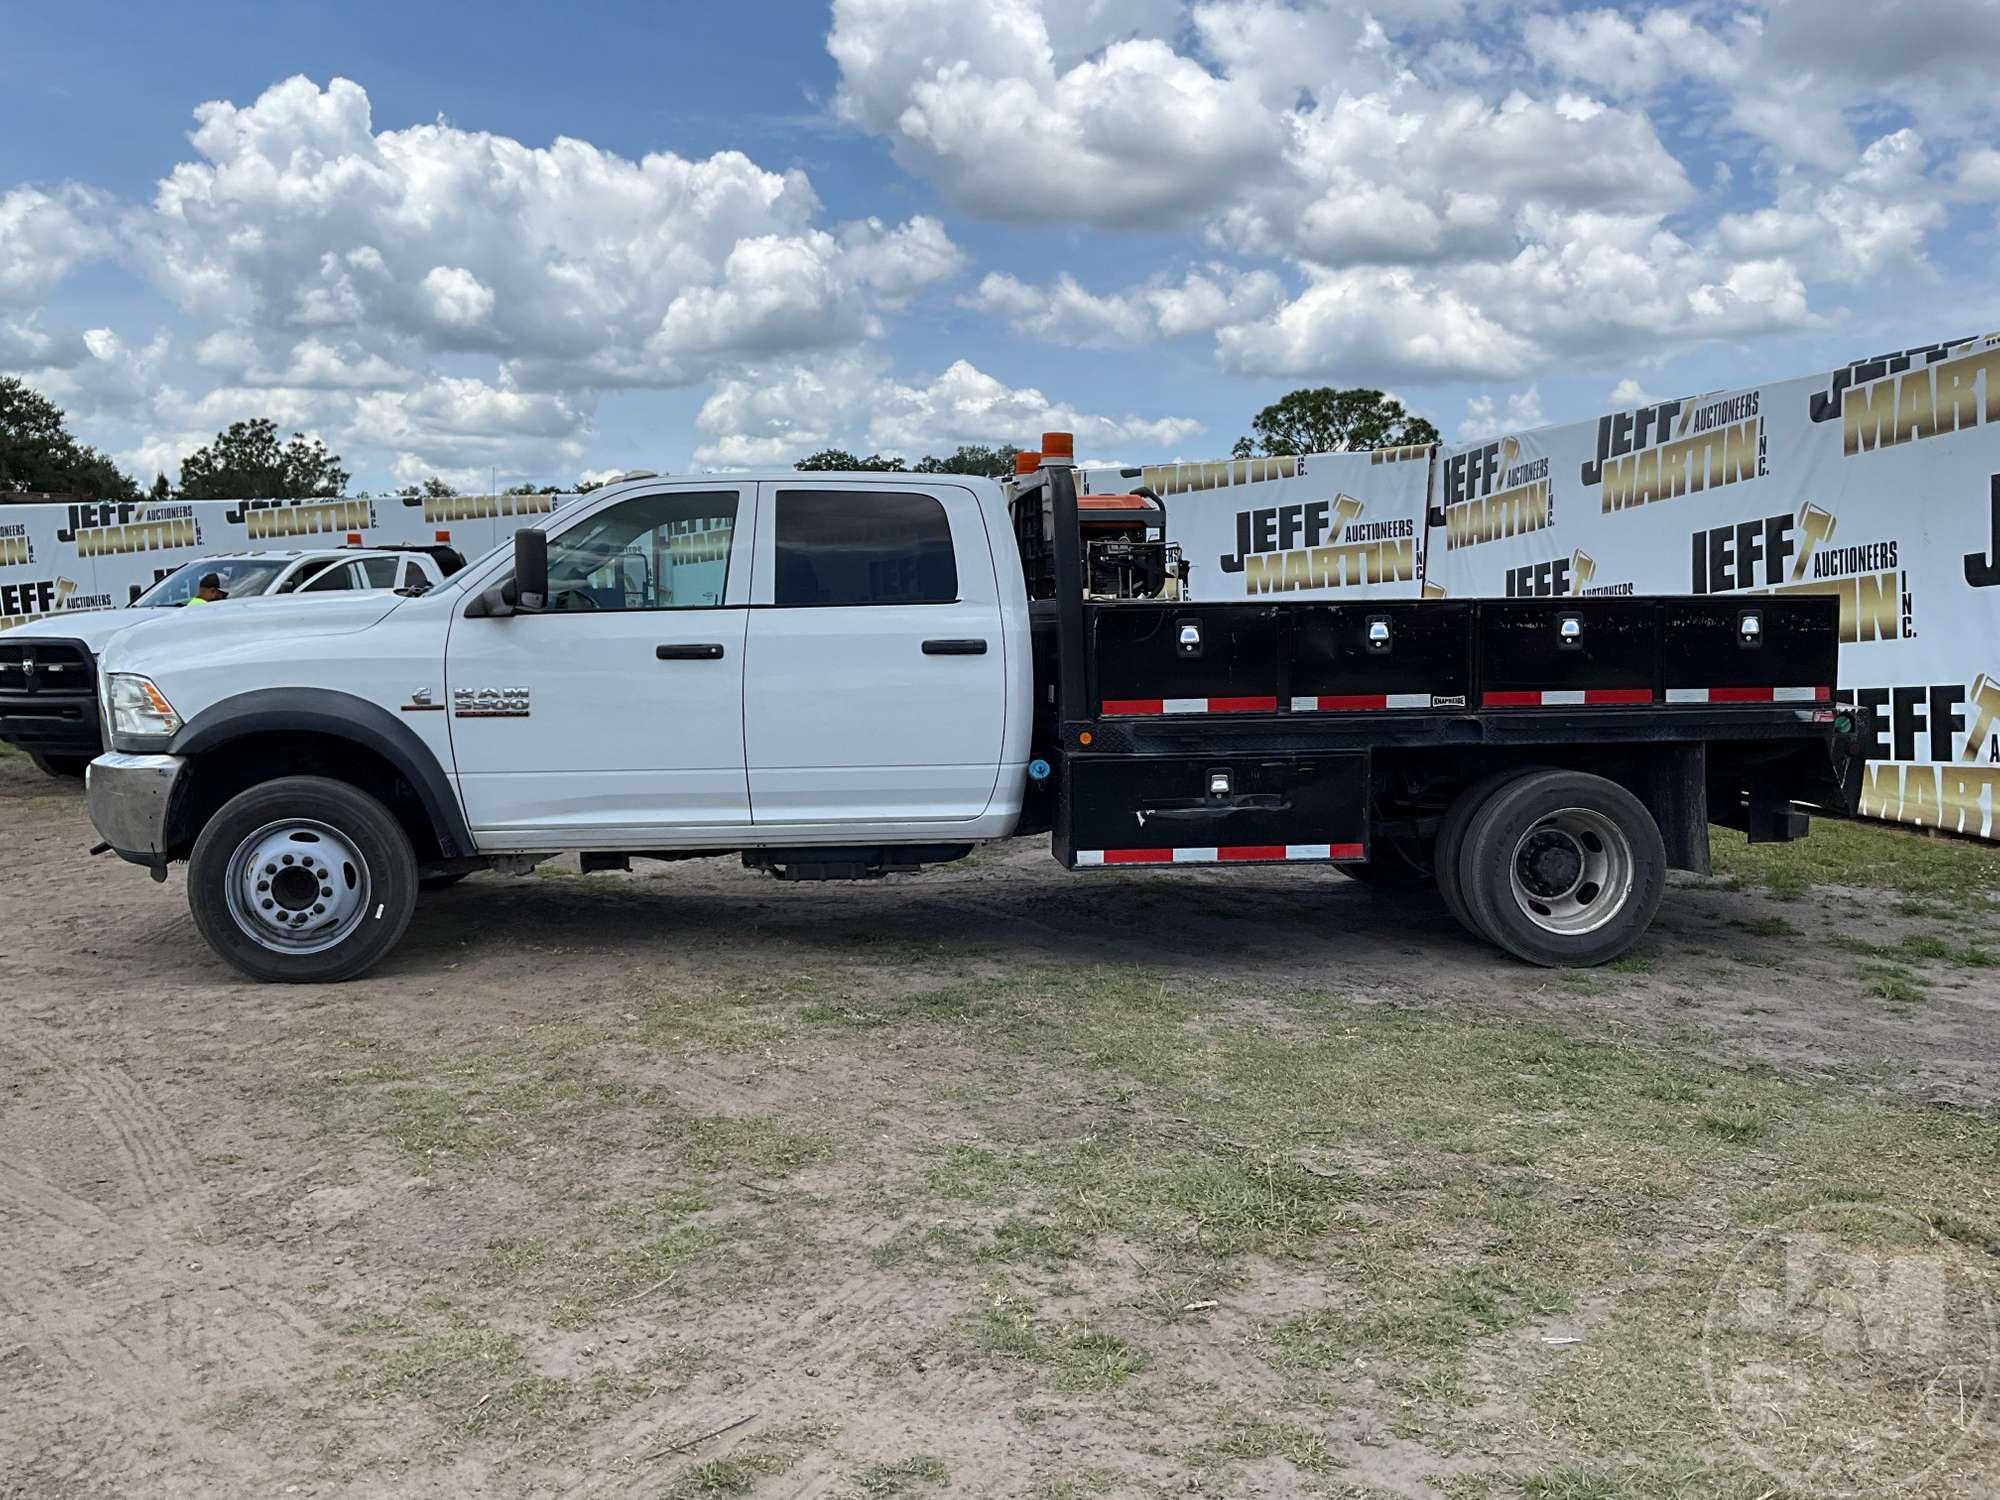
(1878, 483)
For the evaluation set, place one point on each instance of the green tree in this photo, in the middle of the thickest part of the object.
(161, 490)
(247, 462)
(37, 452)
(434, 488)
(973, 458)
(840, 458)
(1324, 420)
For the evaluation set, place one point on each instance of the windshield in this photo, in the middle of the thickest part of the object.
(242, 578)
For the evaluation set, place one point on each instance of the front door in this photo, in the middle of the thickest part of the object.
(617, 712)
(876, 680)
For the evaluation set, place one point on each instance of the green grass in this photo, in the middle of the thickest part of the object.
(1737, 1125)
(1071, 1357)
(1248, 1437)
(906, 1476)
(743, 1146)
(464, 1380)
(1087, 1484)
(1862, 854)
(451, 1110)
(1469, 1180)
(1898, 986)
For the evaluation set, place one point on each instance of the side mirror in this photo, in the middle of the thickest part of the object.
(530, 585)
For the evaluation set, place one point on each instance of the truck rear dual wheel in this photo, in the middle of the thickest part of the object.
(1560, 868)
(303, 880)
(1451, 840)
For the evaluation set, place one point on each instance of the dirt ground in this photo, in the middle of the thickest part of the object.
(992, 1181)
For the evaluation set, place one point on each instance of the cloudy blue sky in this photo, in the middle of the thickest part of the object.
(540, 243)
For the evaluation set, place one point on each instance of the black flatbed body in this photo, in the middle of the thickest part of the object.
(1261, 731)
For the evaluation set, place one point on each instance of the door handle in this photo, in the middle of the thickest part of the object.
(955, 648)
(704, 651)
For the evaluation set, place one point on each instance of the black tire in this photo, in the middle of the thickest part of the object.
(1592, 890)
(429, 883)
(65, 766)
(1396, 867)
(377, 888)
(1451, 841)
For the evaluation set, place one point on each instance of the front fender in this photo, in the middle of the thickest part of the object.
(338, 715)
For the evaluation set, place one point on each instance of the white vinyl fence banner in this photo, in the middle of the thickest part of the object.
(102, 554)
(1878, 483)
(1321, 526)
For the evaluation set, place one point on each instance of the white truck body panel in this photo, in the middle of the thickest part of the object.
(816, 725)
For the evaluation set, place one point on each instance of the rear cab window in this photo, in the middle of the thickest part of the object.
(861, 547)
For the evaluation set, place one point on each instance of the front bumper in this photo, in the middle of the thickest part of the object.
(51, 723)
(130, 800)
(48, 696)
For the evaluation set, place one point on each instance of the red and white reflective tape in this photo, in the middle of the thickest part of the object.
(1750, 695)
(1568, 698)
(1124, 707)
(1326, 703)
(1224, 854)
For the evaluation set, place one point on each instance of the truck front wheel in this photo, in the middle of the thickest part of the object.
(303, 880)
(1562, 868)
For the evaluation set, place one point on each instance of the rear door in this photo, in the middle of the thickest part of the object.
(875, 681)
(340, 577)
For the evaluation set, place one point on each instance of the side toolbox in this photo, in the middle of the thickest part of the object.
(1581, 653)
(1188, 659)
(1221, 809)
(1361, 658)
(1752, 649)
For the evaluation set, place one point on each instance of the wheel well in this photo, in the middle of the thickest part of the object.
(221, 771)
(1417, 785)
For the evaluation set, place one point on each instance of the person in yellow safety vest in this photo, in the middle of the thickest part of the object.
(209, 590)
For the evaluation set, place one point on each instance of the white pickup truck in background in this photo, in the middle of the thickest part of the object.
(48, 673)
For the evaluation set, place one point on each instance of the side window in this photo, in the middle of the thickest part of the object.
(305, 573)
(339, 576)
(380, 571)
(413, 575)
(650, 552)
(862, 547)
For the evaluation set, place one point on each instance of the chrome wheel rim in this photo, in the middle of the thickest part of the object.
(1571, 872)
(297, 886)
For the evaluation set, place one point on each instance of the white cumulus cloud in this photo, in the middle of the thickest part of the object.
(776, 415)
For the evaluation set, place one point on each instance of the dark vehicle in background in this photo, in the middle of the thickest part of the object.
(48, 667)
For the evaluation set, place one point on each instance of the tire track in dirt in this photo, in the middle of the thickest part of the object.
(77, 1232)
(810, 1358)
(150, 1148)
(150, 1336)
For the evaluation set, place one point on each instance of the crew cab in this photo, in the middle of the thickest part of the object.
(48, 682)
(841, 675)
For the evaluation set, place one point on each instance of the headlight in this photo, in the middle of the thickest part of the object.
(140, 709)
